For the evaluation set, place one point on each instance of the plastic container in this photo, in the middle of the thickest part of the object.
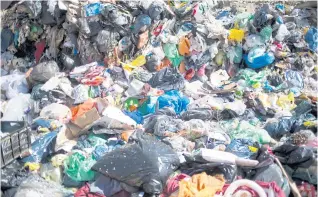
(14, 141)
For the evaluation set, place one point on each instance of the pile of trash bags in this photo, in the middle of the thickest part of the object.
(161, 98)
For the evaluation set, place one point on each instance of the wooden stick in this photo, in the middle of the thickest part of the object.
(292, 184)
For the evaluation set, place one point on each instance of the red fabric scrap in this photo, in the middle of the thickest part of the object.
(39, 50)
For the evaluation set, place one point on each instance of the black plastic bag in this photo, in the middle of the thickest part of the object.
(159, 124)
(276, 129)
(295, 156)
(42, 72)
(6, 39)
(199, 113)
(195, 164)
(13, 175)
(167, 79)
(107, 40)
(145, 162)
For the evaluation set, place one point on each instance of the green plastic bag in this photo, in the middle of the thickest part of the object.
(78, 168)
(266, 33)
(253, 78)
(172, 54)
(243, 129)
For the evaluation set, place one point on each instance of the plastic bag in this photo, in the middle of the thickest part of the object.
(236, 35)
(245, 130)
(16, 87)
(270, 174)
(140, 164)
(243, 148)
(235, 54)
(258, 58)
(252, 41)
(295, 156)
(142, 22)
(162, 125)
(266, 33)
(42, 148)
(78, 167)
(51, 173)
(80, 94)
(107, 40)
(16, 108)
(57, 112)
(277, 128)
(42, 72)
(196, 164)
(175, 99)
(167, 79)
(172, 54)
(282, 33)
(311, 39)
(36, 186)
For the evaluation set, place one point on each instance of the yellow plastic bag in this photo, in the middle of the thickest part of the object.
(139, 61)
(287, 101)
(32, 166)
(58, 160)
(236, 35)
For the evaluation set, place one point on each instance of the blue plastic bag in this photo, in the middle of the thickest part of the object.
(175, 99)
(42, 148)
(311, 39)
(258, 58)
(135, 115)
(93, 9)
(243, 148)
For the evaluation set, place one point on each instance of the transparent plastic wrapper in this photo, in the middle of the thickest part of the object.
(235, 54)
(51, 173)
(140, 164)
(252, 41)
(245, 130)
(78, 167)
(36, 186)
(195, 128)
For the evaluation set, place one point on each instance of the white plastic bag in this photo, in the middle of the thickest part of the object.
(282, 33)
(80, 94)
(56, 111)
(16, 108)
(19, 85)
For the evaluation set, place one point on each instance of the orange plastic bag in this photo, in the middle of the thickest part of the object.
(82, 108)
(184, 46)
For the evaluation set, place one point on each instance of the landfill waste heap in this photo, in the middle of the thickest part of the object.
(158, 98)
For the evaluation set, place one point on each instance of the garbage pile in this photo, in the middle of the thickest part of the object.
(155, 98)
